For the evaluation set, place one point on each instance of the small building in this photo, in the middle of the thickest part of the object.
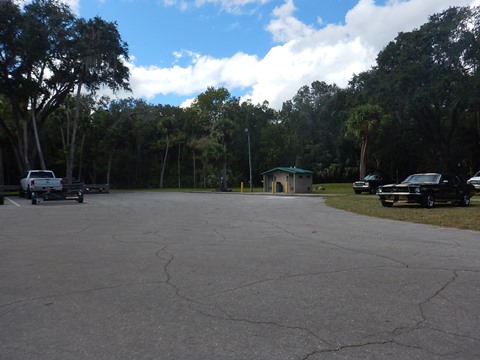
(287, 180)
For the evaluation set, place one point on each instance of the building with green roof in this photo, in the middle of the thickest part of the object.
(287, 180)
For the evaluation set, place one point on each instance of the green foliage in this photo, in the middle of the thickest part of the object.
(418, 109)
(46, 53)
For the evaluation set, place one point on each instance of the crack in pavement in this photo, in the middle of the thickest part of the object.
(227, 316)
(401, 331)
(365, 344)
(286, 277)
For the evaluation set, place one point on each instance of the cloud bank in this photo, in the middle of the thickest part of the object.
(303, 54)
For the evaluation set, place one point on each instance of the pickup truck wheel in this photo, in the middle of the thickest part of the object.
(465, 201)
(428, 200)
(358, 192)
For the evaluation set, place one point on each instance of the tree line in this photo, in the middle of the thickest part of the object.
(416, 110)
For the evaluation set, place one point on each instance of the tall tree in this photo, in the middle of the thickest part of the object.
(362, 123)
(426, 76)
(45, 53)
(211, 109)
(98, 59)
(32, 77)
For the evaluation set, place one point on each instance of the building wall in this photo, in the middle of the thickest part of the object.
(297, 183)
(303, 183)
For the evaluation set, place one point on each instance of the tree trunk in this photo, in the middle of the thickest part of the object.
(204, 175)
(178, 165)
(363, 157)
(109, 168)
(224, 169)
(71, 147)
(478, 123)
(37, 139)
(80, 160)
(194, 170)
(2, 178)
(164, 164)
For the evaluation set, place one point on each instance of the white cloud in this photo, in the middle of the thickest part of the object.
(285, 27)
(204, 71)
(74, 5)
(231, 6)
(336, 52)
(304, 54)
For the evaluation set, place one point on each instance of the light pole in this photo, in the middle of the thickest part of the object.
(249, 159)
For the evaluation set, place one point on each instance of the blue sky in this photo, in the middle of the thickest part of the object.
(258, 49)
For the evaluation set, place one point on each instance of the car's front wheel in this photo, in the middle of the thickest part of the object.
(428, 200)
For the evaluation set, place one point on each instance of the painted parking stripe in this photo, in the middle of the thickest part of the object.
(13, 202)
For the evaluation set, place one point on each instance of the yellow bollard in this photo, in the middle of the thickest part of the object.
(273, 187)
(241, 187)
(286, 188)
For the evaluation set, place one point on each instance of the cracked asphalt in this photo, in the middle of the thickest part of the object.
(230, 276)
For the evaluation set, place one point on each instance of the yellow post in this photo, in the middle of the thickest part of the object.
(286, 189)
(241, 186)
(273, 187)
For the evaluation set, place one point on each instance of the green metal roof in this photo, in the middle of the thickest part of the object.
(292, 170)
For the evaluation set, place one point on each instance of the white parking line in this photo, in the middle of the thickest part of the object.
(13, 202)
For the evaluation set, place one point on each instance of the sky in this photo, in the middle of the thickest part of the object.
(260, 50)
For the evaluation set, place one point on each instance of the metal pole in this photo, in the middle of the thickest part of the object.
(249, 159)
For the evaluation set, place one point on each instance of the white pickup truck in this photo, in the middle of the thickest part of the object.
(39, 181)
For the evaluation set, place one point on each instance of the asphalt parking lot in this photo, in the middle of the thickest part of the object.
(230, 276)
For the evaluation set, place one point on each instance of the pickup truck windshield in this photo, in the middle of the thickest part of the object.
(423, 178)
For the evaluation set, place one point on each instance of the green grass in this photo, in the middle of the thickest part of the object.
(342, 197)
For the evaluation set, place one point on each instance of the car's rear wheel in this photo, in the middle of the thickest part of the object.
(428, 200)
(387, 204)
(465, 201)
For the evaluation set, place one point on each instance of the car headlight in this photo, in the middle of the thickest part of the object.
(417, 190)
(379, 190)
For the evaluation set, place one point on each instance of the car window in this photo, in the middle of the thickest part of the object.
(423, 178)
(41, 175)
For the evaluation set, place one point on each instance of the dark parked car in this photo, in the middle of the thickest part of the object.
(369, 184)
(1, 195)
(426, 190)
